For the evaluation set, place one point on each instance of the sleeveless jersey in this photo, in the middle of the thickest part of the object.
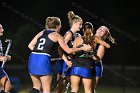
(85, 54)
(83, 59)
(44, 44)
(70, 43)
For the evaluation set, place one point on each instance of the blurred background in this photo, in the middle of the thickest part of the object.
(23, 19)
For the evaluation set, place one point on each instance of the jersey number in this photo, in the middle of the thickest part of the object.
(40, 45)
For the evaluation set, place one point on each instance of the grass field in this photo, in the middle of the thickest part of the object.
(113, 82)
(105, 89)
(100, 89)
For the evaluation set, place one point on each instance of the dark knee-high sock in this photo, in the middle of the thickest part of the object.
(2, 91)
(13, 90)
(34, 90)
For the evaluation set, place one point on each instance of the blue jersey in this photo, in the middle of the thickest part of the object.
(70, 43)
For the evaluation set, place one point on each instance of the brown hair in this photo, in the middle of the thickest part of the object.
(88, 34)
(52, 22)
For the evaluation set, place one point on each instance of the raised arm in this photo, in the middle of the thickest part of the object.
(67, 37)
(33, 42)
(100, 53)
(102, 42)
(65, 47)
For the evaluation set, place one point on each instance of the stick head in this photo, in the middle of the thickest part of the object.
(9, 41)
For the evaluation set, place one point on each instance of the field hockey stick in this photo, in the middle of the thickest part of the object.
(67, 87)
(7, 50)
(53, 59)
(60, 79)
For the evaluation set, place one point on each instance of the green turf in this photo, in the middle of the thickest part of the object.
(100, 89)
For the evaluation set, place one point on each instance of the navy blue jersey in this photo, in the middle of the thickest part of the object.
(84, 54)
(44, 44)
(70, 43)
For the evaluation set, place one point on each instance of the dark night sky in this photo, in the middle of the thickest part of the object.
(121, 16)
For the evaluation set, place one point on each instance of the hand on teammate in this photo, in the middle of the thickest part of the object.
(86, 47)
(69, 63)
